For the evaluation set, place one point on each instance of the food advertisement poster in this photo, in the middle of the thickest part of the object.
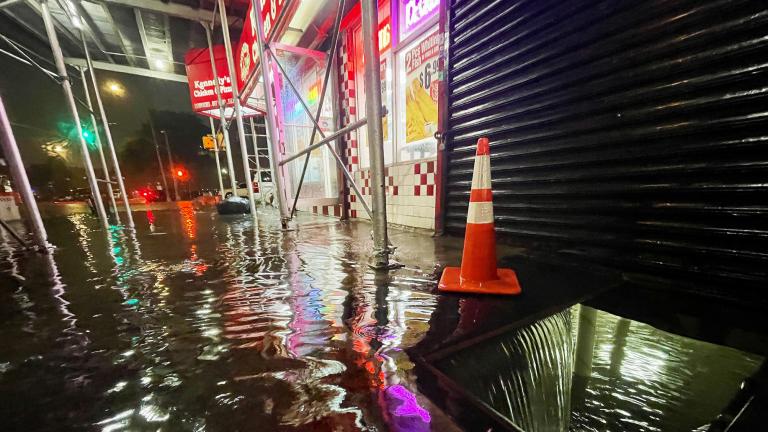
(421, 88)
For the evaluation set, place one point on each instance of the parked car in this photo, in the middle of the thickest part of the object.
(266, 184)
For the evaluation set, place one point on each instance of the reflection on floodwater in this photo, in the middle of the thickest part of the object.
(211, 326)
(587, 370)
(198, 322)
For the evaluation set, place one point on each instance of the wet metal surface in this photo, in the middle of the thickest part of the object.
(584, 369)
(200, 323)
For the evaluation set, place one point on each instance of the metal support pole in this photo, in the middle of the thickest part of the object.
(170, 166)
(20, 179)
(110, 142)
(238, 111)
(258, 162)
(216, 154)
(159, 159)
(222, 115)
(370, 14)
(62, 71)
(274, 135)
(324, 142)
(345, 130)
(103, 160)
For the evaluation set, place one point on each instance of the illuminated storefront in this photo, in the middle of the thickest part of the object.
(410, 45)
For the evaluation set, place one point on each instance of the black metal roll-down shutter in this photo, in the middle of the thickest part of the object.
(629, 133)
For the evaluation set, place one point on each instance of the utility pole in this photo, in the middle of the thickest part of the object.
(65, 84)
(170, 166)
(370, 14)
(159, 159)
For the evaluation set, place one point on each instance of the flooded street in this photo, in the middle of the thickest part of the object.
(206, 324)
(201, 323)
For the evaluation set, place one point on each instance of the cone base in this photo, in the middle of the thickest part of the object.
(506, 283)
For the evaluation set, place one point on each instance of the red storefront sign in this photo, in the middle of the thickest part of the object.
(202, 87)
(247, 51)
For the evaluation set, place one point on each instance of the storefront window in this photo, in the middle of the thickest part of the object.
(385, 39)
(320, 180)
(417, 98)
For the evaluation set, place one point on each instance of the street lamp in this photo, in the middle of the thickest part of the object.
(115, 88)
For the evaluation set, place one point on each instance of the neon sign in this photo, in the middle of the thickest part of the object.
(416, 12)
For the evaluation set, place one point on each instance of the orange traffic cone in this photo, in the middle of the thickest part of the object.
(478, 273)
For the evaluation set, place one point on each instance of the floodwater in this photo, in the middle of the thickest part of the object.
(202, 323)
(205, 324)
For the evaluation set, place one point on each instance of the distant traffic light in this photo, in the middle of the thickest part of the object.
(89, 137)
(181, 174)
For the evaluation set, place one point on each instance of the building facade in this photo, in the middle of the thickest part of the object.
(410, 45)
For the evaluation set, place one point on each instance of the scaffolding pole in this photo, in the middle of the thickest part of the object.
(110, 141)
(222, 115)
(370, 15)
(258, 162)
(238, 111)
(328, 145)
(99, 144)
(20, 180)
(328, 66)
(216, 155)
(65, 84)
(274, 135)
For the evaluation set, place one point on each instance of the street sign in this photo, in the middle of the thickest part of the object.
(208, 143)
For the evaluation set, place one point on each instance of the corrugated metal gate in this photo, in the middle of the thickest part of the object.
(630, 133)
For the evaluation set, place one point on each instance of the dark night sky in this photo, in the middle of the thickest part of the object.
(35, 101)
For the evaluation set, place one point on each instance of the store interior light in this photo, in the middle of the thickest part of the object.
(160, 64)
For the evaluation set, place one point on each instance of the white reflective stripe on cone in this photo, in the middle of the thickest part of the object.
(481, 177)
(480, 212)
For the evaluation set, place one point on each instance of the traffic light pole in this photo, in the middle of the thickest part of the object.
(65, 84)
(216, 154)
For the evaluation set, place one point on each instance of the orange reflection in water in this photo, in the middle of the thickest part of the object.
(188, 221)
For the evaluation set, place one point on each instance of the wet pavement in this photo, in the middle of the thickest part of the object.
(203, 323)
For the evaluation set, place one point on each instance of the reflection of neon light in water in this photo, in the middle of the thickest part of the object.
(409, 406)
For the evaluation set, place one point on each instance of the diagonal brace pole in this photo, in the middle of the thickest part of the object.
(316, 128)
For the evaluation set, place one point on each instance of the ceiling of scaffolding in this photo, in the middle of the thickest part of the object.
(148, 37)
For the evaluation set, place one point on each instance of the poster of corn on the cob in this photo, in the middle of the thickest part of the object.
(421, 89)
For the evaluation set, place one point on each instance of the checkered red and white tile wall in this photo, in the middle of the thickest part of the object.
(410, 186)
(410, 189)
